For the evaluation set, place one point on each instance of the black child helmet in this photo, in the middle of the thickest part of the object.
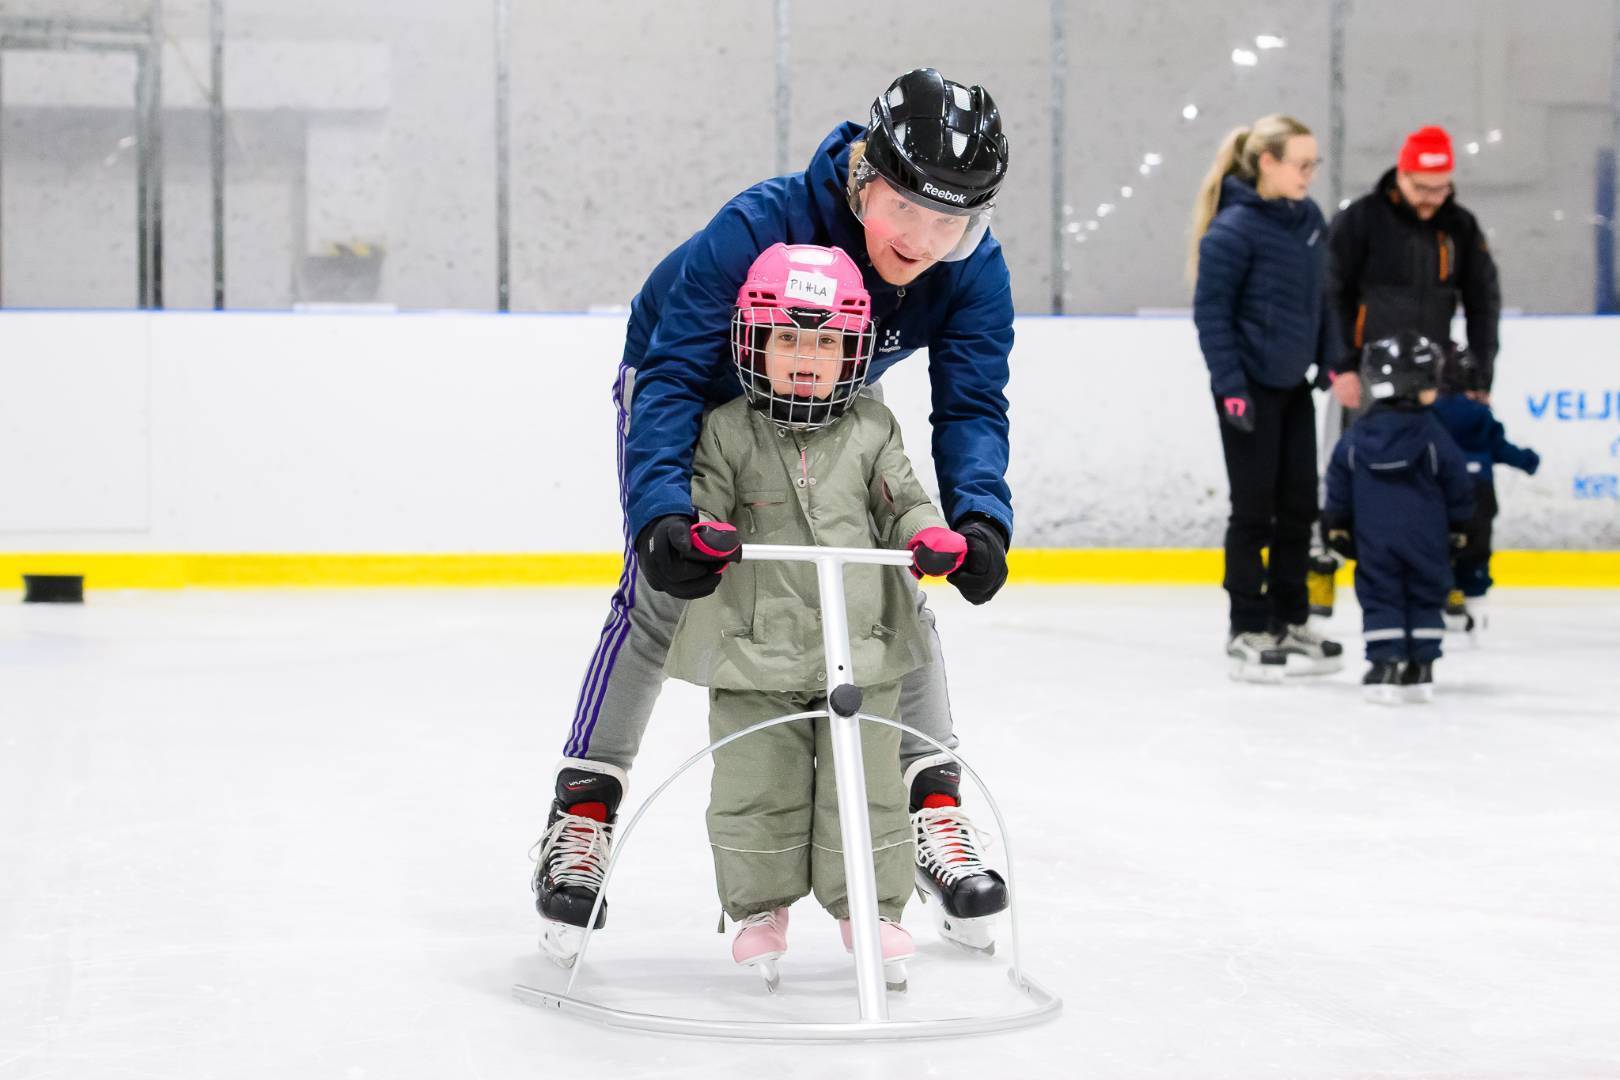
(1400, 367)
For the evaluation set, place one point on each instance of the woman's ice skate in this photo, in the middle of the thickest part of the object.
(897, 949)
(760, 941)
(1305, 652)
(1255, 657)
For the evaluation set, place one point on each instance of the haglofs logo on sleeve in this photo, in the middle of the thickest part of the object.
(943, 195)
(891, 341)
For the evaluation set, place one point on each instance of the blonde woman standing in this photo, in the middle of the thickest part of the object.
(1259, 249)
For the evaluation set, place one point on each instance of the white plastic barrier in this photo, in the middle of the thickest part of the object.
(197, 432)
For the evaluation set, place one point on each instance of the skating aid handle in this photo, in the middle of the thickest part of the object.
(811, 553)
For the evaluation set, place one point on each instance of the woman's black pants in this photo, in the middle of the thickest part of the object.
(1272, 472)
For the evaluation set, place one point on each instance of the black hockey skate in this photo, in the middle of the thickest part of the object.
(574, 854)
(1417, 681)
(963, 894)
(1382, 683)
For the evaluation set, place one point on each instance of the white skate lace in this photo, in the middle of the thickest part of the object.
(576, 848)
(759, 918)
(1302, 635)
(1255, 640)
(948, 843)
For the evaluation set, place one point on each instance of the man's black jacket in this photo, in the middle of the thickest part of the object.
(1390, 271)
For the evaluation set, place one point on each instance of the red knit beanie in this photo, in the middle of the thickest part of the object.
(1427, 150)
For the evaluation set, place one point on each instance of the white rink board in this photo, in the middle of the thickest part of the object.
(479, 433)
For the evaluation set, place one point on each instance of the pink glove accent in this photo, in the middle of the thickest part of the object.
(718, 540)
(1234, 406)
(936, 551)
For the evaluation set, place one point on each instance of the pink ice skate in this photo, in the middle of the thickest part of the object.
(760, 942)
(897, 948)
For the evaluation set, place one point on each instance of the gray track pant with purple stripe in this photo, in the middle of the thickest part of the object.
(626, 671)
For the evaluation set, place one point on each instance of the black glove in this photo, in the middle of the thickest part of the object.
(984, 570)
(1343, 541)
(685, 559)
(1237, 412)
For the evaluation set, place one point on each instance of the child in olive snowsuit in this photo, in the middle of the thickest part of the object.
(802, 458)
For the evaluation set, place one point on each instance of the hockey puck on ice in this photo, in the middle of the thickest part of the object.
(53, 588)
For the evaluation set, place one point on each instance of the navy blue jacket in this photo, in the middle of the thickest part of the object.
(1481, 437)
(1259, 303)
(1401, 482)
(679, 340)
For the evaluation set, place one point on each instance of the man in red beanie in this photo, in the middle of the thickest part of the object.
(1403, 256)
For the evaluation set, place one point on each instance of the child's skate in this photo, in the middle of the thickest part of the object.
(1320, 583)
(897, 949)
(760, 942)
(1417, 681)
(1382, 683)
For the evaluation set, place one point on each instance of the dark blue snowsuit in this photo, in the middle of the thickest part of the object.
(1400, 483)
(1481, 438)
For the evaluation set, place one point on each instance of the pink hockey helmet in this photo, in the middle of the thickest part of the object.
(813, 293)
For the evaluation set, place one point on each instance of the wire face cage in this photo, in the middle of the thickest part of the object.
(800, 366)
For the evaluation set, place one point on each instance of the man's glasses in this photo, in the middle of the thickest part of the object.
(1429, 191)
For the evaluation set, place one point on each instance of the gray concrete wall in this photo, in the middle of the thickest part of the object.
(370, 124)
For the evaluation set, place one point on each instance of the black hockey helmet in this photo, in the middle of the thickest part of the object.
(1461, 373)
(938, 141)
(1401, 366)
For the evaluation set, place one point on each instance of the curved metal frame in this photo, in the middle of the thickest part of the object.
(855, 827)
(1046, 1004)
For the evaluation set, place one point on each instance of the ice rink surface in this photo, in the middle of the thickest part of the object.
(283, 834)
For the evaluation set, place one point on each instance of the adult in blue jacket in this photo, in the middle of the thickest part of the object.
(909, 197)
(1259, 260)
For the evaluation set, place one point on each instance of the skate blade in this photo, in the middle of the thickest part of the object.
(894, 976)
(1299, 666)
(1418, 695)
(561, 942)
(768, 970)
(1242, 671)
(972, 935)
(1382, 694)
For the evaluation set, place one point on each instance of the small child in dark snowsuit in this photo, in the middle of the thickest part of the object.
(1481, 438)
(1397, 494)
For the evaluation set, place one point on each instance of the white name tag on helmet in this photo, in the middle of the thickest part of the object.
(812, 287)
